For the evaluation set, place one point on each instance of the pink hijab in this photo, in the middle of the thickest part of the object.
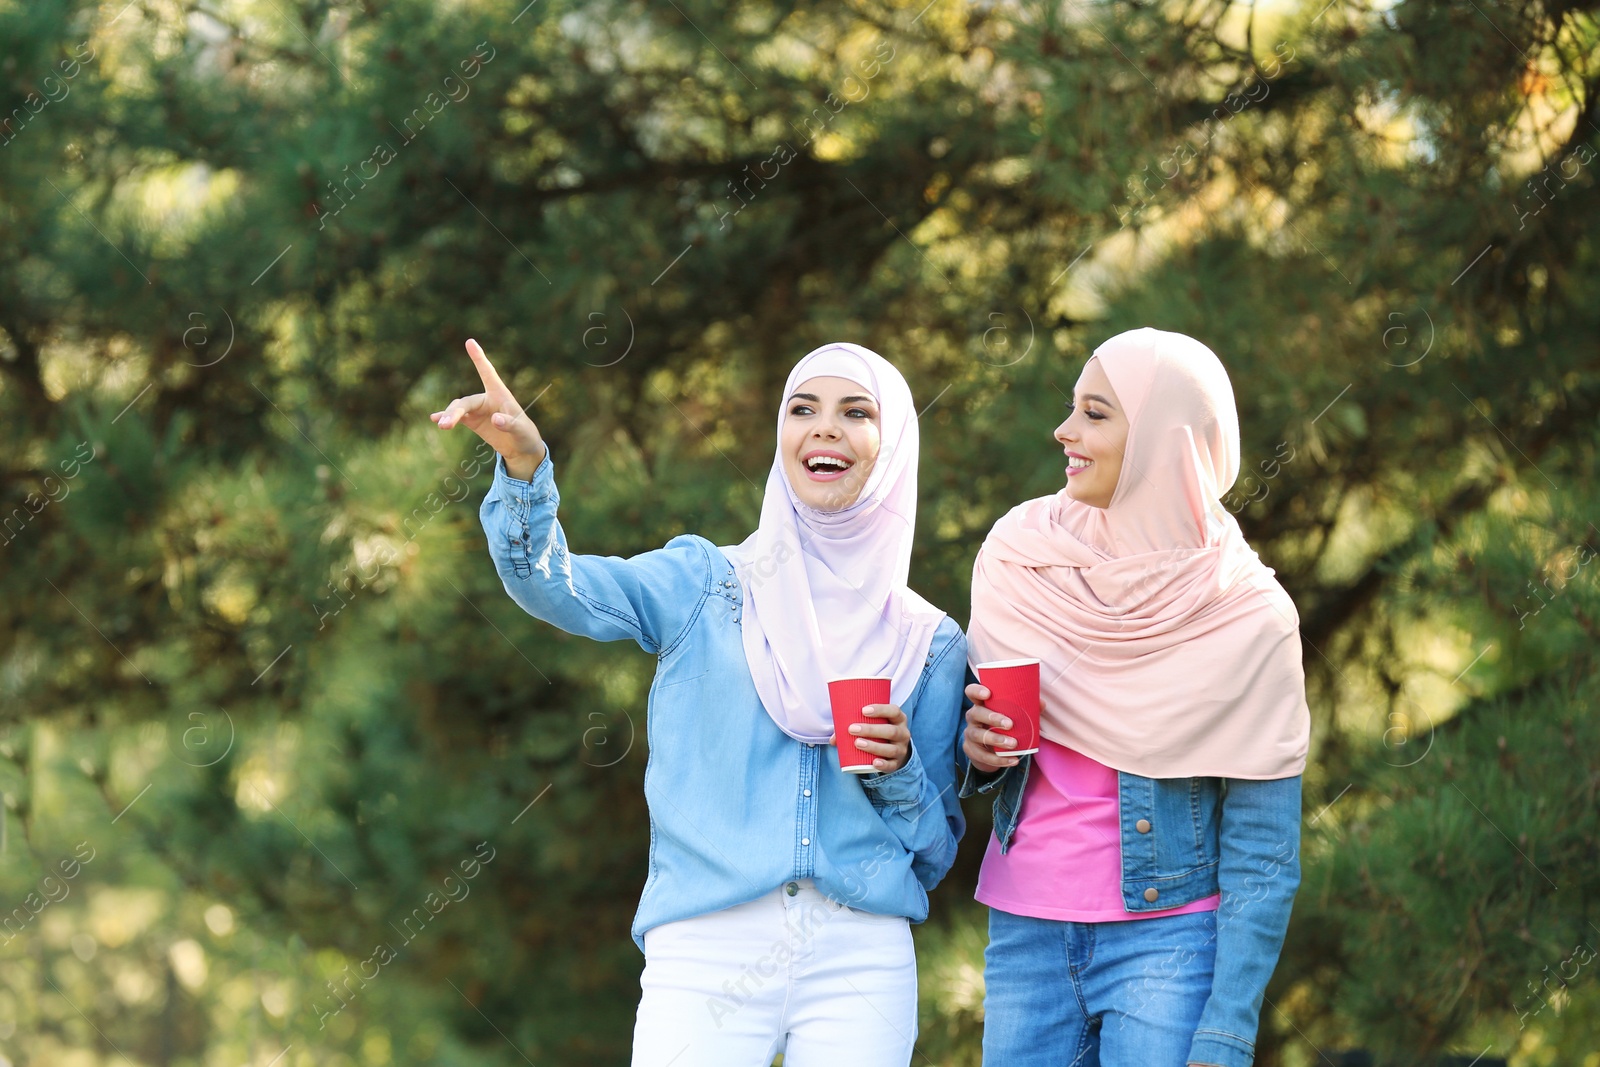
(1167, 648)
(825, 592)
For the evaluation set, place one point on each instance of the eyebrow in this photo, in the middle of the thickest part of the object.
(1097, 396)
(846, 400)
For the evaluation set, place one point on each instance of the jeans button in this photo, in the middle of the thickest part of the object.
(1143, 826)
(792, 888)
(1150, 895)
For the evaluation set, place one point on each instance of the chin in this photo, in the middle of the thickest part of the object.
(819, 496)
(1090, 498)
(831, 502)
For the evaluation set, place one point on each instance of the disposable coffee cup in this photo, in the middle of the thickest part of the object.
(849, 696)
(1013, 686)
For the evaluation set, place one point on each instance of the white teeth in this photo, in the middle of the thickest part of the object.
(1074, 461)
(826, 461)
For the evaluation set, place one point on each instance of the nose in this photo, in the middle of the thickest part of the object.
(826, 428)
(1064, 432)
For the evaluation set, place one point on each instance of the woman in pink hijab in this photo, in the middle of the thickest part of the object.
(1145, 860)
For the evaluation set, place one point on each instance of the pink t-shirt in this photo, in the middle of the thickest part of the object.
(1065, 859)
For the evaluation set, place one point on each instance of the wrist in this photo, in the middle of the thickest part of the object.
(986, 769)
(522, 465)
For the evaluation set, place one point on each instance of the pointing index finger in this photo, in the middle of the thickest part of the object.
(486, 371)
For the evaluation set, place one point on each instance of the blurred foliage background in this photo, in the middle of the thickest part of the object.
(261, 691)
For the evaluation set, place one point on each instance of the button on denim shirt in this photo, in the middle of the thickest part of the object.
(1184, 839)
(737, 806)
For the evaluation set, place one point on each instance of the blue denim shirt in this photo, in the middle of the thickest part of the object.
(737, 806)
(1187, 838)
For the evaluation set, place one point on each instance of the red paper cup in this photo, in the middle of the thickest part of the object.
(1013, 686)
(849, 696)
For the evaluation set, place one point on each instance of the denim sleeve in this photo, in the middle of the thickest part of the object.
(1258, 873)
(976, 781)
(918, 800)
(651, 598)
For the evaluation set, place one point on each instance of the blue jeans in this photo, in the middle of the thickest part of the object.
(1071, 994)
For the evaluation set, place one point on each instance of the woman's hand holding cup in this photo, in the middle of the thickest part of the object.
(495, 416)
(985, 748)
(888, 742)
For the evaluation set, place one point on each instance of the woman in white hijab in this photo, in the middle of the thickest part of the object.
(775, 917)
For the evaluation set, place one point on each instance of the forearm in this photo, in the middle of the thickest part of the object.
(911, 803)
(918, 801)
(602, 597)
(1258, 874)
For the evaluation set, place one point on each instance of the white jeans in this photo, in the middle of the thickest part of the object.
(792, 972)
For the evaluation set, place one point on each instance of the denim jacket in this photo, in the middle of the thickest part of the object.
(1187, 838)
(737, 807)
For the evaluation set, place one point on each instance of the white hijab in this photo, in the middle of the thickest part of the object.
(825, 593)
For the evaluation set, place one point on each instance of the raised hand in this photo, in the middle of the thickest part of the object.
(495, 416)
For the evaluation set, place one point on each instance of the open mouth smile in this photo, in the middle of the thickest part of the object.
(825, 466)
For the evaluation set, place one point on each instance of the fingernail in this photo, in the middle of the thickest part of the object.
(855, 729)
(1005, 724)
(1011, 742)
